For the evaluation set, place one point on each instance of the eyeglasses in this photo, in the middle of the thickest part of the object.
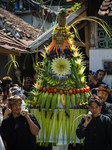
(16, 104)
(15, 101)
(95, 97)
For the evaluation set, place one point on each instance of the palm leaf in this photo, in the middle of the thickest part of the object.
(99, 21)
(11, 57)
(43, 55)
(17, 63)
(9, 68)
(77, 34)
(8, 63)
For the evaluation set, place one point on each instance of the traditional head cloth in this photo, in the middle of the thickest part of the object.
(104, 88)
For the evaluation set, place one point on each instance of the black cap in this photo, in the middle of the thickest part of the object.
(13, 99)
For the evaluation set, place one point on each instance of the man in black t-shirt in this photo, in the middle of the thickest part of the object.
(18, 130)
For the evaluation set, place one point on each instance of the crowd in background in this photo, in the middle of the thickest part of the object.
(16, 122)
(95, 79)
(97, 88)
(94, 127)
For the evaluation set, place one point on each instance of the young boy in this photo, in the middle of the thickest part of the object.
(96, 128)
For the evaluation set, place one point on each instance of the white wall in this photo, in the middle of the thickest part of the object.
(96, 59)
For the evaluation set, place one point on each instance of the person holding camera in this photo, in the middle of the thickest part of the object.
(96, 128)
(92, 80)
(18, 129)
(96, 78)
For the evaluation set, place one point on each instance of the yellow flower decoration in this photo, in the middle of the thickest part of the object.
(61, 66)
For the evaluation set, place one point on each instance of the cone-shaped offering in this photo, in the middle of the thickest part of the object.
(61, 88)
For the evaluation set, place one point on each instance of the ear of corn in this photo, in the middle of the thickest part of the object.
(67, 104)
(77, 96)
(44, 100)
(59, 99)
(72, 99)
(54, 101)
(48, 102)
(40, 98)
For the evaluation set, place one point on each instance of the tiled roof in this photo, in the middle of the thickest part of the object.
(15, 33)
(105, 8)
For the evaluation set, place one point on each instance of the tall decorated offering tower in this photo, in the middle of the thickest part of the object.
(60, 95)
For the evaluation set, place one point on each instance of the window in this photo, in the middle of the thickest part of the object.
(103, 40)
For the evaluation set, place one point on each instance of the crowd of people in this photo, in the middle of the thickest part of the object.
(96, 126)
(19, 128)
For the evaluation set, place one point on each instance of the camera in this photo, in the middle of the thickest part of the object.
(89, 114)
(89, 117)
(93, 73)
(23, 113)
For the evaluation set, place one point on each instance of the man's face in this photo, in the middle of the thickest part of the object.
(100, 76)
(16, 108)
(27, 85)
(103, 95)
(95, 109)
